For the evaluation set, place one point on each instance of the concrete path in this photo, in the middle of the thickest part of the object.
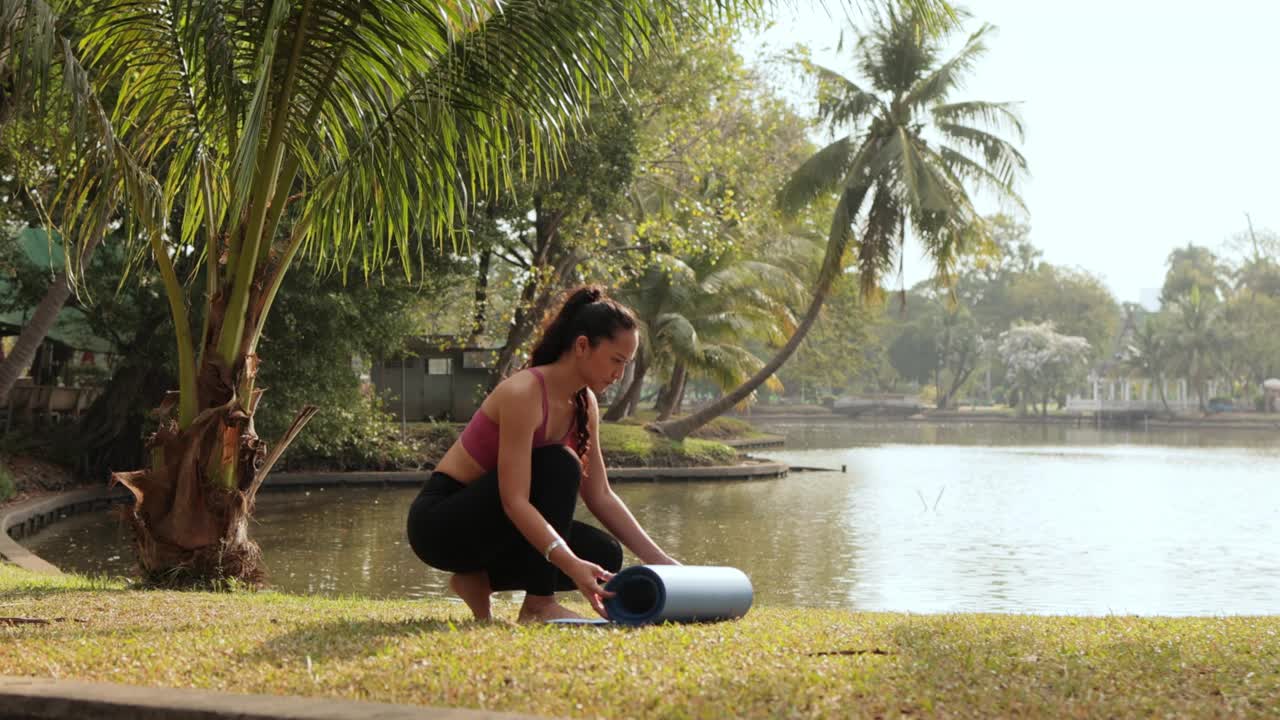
(25, 698)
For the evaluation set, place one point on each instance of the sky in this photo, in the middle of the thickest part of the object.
(1149, 124)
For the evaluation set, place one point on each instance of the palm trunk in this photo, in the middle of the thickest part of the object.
(33, 334)
(190, 528)
(625, 404)
(667, 401)
(37, 328)
(684, 385)
(832, 265)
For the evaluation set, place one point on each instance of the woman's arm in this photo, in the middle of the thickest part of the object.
(605, 504)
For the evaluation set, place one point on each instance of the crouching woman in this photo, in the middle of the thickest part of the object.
(498, 510)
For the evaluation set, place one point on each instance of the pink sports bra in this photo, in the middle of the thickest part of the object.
(480, 436)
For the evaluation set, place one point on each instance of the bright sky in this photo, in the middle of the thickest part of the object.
(1149, 124)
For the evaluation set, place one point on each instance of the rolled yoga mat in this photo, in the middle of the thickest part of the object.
(677, 593)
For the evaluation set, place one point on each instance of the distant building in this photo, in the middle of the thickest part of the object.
(1271, 394)
(440, 378)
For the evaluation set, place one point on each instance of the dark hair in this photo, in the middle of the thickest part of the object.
(581, 311)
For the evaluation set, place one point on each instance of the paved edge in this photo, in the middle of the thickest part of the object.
(28, 698)
(41, 512)
(38, 513)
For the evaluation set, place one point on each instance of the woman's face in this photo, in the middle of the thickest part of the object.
(602, 365)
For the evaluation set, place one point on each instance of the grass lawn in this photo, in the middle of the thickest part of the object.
(777, 662)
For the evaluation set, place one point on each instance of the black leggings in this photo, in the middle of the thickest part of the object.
(463, 528)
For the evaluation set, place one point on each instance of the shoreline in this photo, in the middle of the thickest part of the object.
(32, 514)
(1254, 422)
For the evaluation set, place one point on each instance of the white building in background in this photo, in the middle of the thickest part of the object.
(1125, 394)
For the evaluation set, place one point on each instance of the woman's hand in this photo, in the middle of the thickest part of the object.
(589, 579)
(665, 559)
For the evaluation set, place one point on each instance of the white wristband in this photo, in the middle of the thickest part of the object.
(554, 544)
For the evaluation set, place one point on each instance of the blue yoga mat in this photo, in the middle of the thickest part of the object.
(648, 594)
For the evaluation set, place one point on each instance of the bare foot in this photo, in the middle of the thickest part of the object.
(538, 609)
(474, 590)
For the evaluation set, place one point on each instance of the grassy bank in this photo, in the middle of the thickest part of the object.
(623, 444)
(776, 662)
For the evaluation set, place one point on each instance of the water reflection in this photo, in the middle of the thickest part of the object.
(1047, 519)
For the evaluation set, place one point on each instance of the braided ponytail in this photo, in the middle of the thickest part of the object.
(582, 311)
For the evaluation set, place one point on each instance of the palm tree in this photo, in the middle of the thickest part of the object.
(1149, 355)
(695, 315)
(724, 303)
(1198, 340)
(906, 162)
(242, 134)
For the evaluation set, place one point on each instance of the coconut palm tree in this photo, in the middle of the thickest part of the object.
(724, 303)
(1149, 354)
(1198, 340)
(243, 134)
(909, 156)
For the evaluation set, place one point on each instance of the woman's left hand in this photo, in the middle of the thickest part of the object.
(665, 560)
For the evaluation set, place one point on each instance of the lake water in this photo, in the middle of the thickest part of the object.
(924, 518)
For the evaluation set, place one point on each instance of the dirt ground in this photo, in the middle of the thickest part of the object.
(34, 478)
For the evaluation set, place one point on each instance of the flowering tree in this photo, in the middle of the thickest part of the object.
(1041, 362)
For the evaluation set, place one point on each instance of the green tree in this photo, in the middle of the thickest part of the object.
(1198, 339)
(1190, 267)
(549, 221)
(1149, 353)
(245, 134)
(839, 348)
(889, 172)
(1043, 363)
(1075, 301)
(714, 142)
(940, 343)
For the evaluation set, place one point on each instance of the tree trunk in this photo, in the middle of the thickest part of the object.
(832, 265)
(537, 291)
(684, 385)
(1163, 399)
(961, 378)
(482, 295)
(190, 529)
(667, 401)
(38, 327)
(626, 402)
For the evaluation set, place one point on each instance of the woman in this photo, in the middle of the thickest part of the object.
(498, 510)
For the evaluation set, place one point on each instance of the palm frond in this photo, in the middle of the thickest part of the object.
(937, 85)
(519, 80)
(878, 246)
(996, 115)
(822, 173)
(97, 168)
(1000, 156)
(965, 167)
(841, 101)
(676, 334)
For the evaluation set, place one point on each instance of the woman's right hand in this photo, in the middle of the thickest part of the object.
(589, 578)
